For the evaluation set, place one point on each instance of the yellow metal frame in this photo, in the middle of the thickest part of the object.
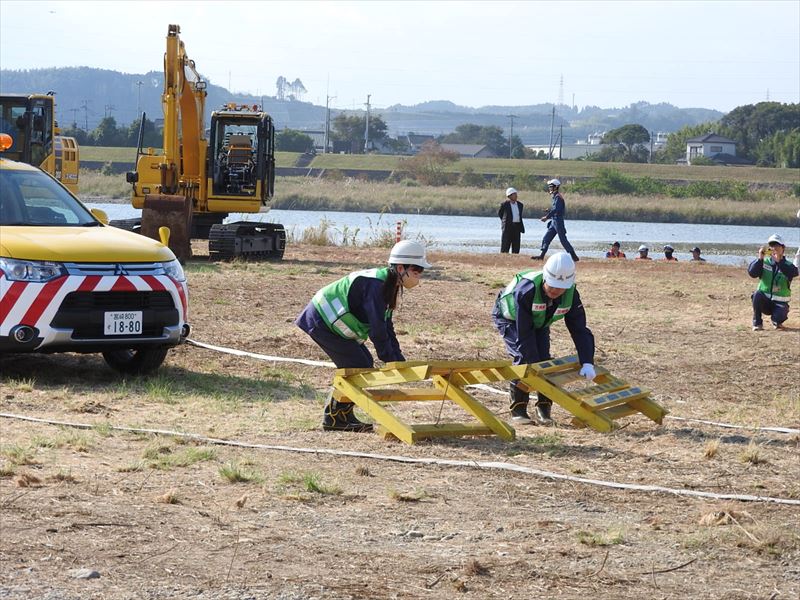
(597, 405)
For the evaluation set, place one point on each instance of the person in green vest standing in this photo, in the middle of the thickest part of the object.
(775, 274)
(523, 313)
(343, 314)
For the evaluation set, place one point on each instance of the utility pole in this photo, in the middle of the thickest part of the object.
(550, 144)
(85, 108)
(74, 112)
(511, 136)
(139, 85)
(327, 122)
(366, 129)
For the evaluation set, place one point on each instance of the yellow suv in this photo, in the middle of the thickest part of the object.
(71, 283)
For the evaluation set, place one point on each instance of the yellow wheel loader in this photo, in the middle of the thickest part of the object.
(30, 121)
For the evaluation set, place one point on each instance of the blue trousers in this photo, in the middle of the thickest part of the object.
(779, 311)
(508, 329)
(556, 227)
(345, 354)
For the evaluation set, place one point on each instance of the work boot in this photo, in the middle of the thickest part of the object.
(338, 416)
(542, 411)
(519, 404)
(539, 256)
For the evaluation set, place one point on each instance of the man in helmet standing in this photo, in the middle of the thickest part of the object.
(523, 313)
(555, 223)
(775, 274)
(343, 314)
(511, 224)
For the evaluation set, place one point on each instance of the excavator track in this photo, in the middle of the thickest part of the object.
(246, 239)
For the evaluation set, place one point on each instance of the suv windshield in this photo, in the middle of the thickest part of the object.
(34, 198)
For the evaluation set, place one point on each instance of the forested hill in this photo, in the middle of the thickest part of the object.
(86, 95)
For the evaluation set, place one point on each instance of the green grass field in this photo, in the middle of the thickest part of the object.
(565, 169)
(115, 154)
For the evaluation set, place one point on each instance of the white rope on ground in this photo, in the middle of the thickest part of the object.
(479, 386)
(302, 361)
(424, 461)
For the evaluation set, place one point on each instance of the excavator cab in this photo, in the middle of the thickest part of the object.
(241, 154)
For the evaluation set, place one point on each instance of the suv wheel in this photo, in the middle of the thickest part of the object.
(136, 362)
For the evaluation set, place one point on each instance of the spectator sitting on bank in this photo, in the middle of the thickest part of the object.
(643, 250)
(614, 252)
(696, 255)
(668, 250)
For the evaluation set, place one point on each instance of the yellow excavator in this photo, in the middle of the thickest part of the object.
(30, 121)
(199, 179)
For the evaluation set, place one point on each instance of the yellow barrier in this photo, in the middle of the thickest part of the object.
(596, 405)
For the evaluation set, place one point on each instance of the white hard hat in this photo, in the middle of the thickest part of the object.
(554, 182)
(643, 248)
(408, 253)
(559, 271)
(669, 248)
(776, 239)
(510, 191)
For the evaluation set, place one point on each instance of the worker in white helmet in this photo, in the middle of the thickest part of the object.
(555, 223)
(523, 313)
(343, 314)
(775, 274)
(511, 224)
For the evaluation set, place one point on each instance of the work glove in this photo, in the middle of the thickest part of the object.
(587, 370)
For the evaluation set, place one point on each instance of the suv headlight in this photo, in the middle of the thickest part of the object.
(31, 270)
(174, 269)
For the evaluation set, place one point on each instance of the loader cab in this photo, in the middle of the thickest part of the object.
(29, 121)
(241, 155)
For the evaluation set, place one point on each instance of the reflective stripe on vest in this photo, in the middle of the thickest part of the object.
(774, 283)
(332, 305)
(508, 307)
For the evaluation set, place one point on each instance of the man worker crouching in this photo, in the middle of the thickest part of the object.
(775, 274)
(523, 313)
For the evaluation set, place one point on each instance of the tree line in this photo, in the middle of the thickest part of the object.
(767, 133)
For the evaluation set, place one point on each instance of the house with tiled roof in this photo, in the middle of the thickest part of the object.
(709, 145)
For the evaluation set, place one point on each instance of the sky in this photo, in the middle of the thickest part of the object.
(718, 54)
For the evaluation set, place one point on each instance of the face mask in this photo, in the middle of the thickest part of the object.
(409, 280)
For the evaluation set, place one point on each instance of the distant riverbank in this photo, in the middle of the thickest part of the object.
(769, 208)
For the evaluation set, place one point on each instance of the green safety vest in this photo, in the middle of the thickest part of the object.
(331, 304)
(775, 285)
(508, 307)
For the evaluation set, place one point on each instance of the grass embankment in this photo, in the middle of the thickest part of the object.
(566, 169)
(767, 208)
(118, 154)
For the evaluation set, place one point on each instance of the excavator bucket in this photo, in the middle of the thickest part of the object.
(175, 212)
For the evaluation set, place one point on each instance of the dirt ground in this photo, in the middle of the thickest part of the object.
(164, 517)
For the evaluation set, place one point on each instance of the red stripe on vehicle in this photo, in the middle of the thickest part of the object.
(154, 283)
(185, 304)
(11, 297)
(88, 284)
(123, 285)
(42, 301)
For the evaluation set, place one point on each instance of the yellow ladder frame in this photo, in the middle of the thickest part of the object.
(597, 406)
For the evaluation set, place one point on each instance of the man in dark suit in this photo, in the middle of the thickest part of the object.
(510, 214)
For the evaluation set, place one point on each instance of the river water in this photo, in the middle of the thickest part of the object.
(721, 244)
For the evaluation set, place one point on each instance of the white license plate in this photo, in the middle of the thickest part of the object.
(123, 323)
